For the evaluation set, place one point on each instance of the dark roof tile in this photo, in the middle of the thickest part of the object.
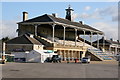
(50, 18)
(107, 41)
(24, 39)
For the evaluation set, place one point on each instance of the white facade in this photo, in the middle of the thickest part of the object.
(33, 56)
(37, 47)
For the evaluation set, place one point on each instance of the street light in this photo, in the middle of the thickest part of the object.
(3, 53)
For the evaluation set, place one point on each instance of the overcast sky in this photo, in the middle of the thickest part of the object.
(100, 15)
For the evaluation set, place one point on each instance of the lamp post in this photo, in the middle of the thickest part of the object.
(3, 53)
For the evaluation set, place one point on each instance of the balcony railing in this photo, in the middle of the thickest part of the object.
(69, 46)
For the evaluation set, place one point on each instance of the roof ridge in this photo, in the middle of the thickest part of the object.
(62, 18)
(13, 38)
(50, 17)
(34, 18)
(28, 38)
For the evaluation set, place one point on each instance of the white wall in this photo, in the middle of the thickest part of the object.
(19, 54)
(33, 57)
(37, 47)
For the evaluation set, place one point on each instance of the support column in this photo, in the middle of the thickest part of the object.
(84, 38)
(72, 55)
(3, 52)
(97, 40)
(64, 55)
(103, 42)
(91, 38)
(58, 52)
(53, 26)
(64, 36)
(75, 36)
(115, 49)
(68, 57)
(78, 55)
(67, 53)
(36, 30)
(110, 49)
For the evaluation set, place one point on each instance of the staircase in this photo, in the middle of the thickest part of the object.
(97, 53)
(100, 54)
(44, 41)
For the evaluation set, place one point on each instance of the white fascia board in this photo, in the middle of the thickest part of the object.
(19, 44)
(36, 23)
(78, 27)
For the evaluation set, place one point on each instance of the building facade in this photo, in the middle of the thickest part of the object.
(109, 46)
(22, 43)
(58, 34)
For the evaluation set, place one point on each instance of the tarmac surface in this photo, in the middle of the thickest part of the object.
(96, 69)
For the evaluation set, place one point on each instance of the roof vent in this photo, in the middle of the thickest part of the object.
(81, 22)
(111, 39)
(54, 14)
(118, 41)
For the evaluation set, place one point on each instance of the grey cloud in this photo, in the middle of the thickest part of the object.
(8, 28)
(111, 11)
(110, 30)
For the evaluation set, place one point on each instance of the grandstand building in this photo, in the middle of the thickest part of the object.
(57, 34)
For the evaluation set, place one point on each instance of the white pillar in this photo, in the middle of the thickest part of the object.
(84, 38)
(109, 49)
(53, 26)
(72, 55)
(115, 49)
(75, 36)
(64, 55)
(97, 40)
(64, 36)
(104, 42)
(36, 30)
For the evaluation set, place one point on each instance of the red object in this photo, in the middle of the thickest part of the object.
(76, 60)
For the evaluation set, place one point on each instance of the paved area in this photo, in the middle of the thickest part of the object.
(61, 70)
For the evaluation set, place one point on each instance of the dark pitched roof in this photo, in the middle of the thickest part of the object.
(107, 41)
(24, 39)
(43, 18)
(50, 18)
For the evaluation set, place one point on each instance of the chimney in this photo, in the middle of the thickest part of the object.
(54, 14)
(32, 36)
(80, 22)
(111, 39)
(118, 41)
(25, 16)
